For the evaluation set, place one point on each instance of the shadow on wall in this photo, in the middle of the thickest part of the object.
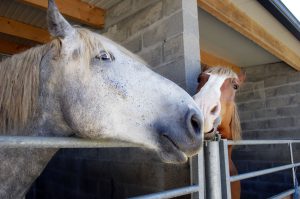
(114, 173)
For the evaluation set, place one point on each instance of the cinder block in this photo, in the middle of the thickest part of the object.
(251, 95)
(171, 6)
(247, 106)
(276, 81)
(173, 48)
(253, 125)
(119, 12)
(293, 110)
(283, 90)
(134, 44)
(117, 33)
(278, 102)
(251, 86)
(173, 71)
(163, 30)
(141, 4)
(153, 56)
(281, 123)
(144, 18)
(265, 113)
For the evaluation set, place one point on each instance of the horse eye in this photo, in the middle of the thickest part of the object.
(235, 86)
(105, 56)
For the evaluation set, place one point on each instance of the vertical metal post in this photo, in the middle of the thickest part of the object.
(225, 175)
(197, 175)
(212, 170)
(292, 161)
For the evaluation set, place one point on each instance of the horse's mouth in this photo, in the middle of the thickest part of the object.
(171, 152)
(211, 131)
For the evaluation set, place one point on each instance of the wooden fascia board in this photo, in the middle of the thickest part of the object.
(22, 30)
(10, 48)
(75, 9)
(211, 60)
(229, 14)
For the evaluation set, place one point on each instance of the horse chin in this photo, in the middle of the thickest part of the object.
(170, 153)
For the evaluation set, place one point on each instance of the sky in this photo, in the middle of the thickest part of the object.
(293, 6)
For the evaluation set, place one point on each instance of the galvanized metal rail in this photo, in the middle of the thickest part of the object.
(226, 179)
(171, 193)
(59, 142)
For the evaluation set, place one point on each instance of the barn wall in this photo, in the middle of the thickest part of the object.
(165, 34)
(269, 109)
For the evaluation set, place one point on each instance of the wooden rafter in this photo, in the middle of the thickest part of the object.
(212, 60)
(10, 48)
(229, 14)
(75, 9)
(25, 31)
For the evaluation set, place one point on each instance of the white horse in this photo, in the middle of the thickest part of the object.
(83, 84)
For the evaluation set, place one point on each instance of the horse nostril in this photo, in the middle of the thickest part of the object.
(194, 123)
(214, 110)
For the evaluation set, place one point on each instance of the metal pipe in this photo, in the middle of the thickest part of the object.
(212, 170)
(170, 194)
(284, 194)
(197, 175)
(261, 142)
(59, 142)
(225, 173)
(292, 161)
(262, 172)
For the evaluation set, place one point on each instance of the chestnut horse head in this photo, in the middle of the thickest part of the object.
(216, 94)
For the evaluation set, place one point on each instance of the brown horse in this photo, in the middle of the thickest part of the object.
(216, 94)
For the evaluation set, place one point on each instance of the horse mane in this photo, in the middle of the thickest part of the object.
(19, 85)
(235, 124)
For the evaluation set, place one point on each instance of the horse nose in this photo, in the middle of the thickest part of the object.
(194, 121)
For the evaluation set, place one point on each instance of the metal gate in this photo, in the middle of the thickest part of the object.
(217, 153)
(197, 170)
(210, 177)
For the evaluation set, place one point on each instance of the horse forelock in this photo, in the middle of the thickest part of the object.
(222, 71)
(19, 83)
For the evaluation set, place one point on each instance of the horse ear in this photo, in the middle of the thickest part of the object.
(242, 76)
(57, 24)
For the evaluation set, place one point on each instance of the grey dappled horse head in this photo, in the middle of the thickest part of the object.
(83, 84)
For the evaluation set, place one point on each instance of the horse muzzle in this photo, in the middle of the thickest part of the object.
(180, 143)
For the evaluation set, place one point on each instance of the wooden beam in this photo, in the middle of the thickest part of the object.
(25, 31)
(10, 48)
(75, 9)
(211, 60)
(229, 14)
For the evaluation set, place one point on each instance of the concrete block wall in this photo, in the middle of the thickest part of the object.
(165, 34)
(269, 109)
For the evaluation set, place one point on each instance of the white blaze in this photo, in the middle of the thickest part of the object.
(208, 100)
